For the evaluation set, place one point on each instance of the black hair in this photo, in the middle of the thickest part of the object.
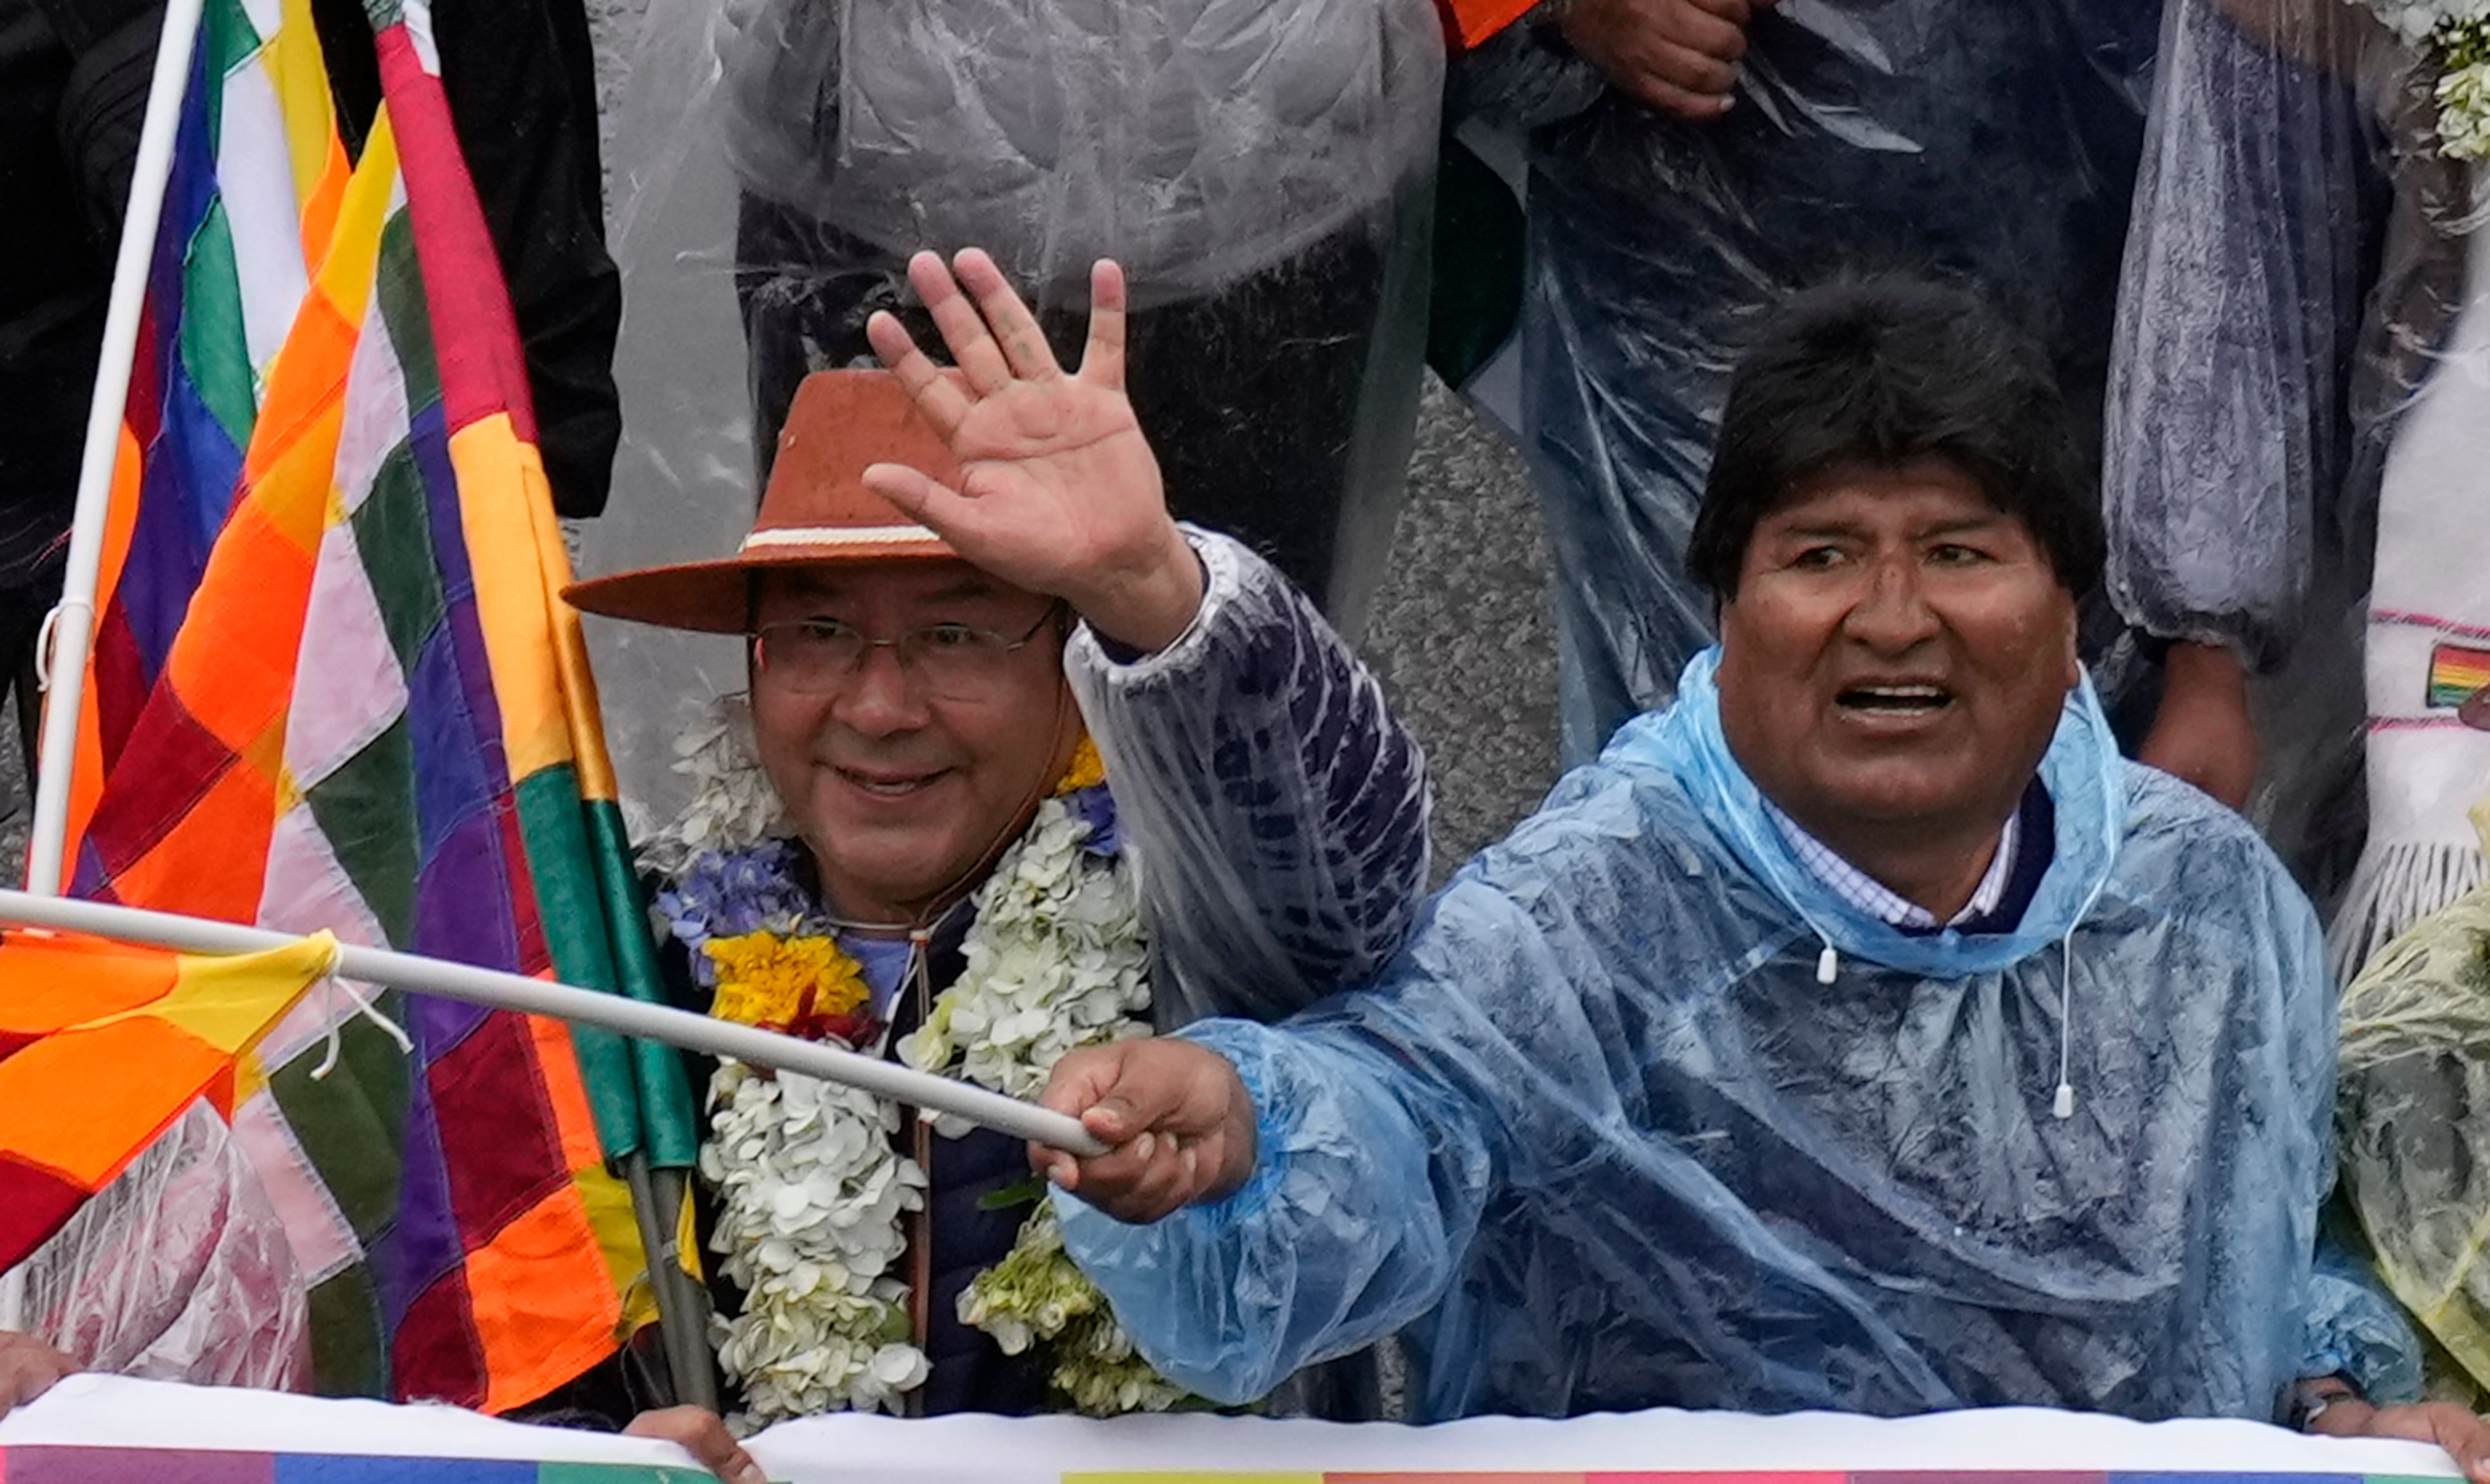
(1881, 371)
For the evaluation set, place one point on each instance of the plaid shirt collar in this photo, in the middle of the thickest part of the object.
(1873, 898)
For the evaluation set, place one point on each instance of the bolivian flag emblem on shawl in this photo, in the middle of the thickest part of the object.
(335, 688)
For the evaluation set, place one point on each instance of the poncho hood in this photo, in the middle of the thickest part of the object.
(2082, 771)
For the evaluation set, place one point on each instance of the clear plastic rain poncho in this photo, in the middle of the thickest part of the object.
(2299, 453)
(1275, 808)
(178, 1270)
(1995, 140)
(1603, 1139)
(2415, 1106)
(1263, 170)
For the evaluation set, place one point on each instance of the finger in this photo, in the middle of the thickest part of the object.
(940, 398)
(963, 329)
(2474, 713)
(1081, 1079)
(1736, 12)
(1147, 1090)
(28, 1376)
(1064, 1170)
(701, 1433)
(1691, 66)
(1161, 1188)
(927, 501)
(1677, 101)
(1122, 1167)
(1708, 33)
(1102, 359)
(1024, 342)
(2466, 1440)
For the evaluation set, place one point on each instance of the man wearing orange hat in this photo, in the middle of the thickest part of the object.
(958, 580)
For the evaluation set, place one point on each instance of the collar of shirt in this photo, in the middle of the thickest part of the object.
(1874, 898)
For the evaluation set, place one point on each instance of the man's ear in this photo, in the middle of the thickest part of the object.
(2074, 651)
(1724, 612)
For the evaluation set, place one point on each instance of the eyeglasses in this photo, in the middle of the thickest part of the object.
(954, 662)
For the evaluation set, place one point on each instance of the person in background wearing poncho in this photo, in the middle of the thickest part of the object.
(1861, 1033)
(2298, 457)
(1693, 162)
(1261, 169)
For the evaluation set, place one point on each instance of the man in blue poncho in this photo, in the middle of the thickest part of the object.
(1859, 1032)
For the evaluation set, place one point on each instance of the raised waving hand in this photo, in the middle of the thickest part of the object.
(1059, 491)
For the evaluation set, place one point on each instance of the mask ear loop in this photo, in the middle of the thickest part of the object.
(2063, 1106)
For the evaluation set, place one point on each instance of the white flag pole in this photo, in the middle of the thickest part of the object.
(72, 620)
(617, 1013)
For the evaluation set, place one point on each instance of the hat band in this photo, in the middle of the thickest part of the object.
(838, 535)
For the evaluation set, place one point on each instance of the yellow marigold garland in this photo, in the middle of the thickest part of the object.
(782, 984)
(1086, 769)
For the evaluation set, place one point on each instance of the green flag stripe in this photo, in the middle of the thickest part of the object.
(232, 37)
(572, 911)
(400, 288)
(666, 1117)
(213, 348)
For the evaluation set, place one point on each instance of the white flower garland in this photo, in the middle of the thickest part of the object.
(2455, 33)
(1056, 959)
(732, 805)
(811, 1198)
(812, 1195)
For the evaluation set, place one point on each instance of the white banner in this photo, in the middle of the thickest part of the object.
(94, 1411)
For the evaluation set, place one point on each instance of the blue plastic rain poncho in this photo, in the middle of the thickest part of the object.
(1603, 1138)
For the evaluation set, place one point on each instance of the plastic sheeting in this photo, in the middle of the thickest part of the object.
(1994, 140)
(1608, 1142)
(1275, 809)
(2298, 430)
(1263, 170)
(2414, 1088)
(178, 1270)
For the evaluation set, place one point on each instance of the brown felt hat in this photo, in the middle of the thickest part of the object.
(816, 509)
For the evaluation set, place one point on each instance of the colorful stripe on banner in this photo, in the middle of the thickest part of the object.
(50, 1465)
(2456, 674)
(55, 1465)
(1828, 1476)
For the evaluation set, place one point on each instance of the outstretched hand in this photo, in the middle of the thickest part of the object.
(28, 1368)
(2465, 1438)
(1176, 1117)
(702, 1434)
(1058, 492)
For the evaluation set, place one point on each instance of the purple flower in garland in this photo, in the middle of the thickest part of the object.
(729, 893)
(1095, 805)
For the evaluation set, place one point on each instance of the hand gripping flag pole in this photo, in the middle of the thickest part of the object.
(540, 997)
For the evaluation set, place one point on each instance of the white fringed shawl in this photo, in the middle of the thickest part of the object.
(2429, 616)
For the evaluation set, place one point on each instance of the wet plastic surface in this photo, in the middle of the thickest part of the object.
(178, 1270)
(1605, 1140)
